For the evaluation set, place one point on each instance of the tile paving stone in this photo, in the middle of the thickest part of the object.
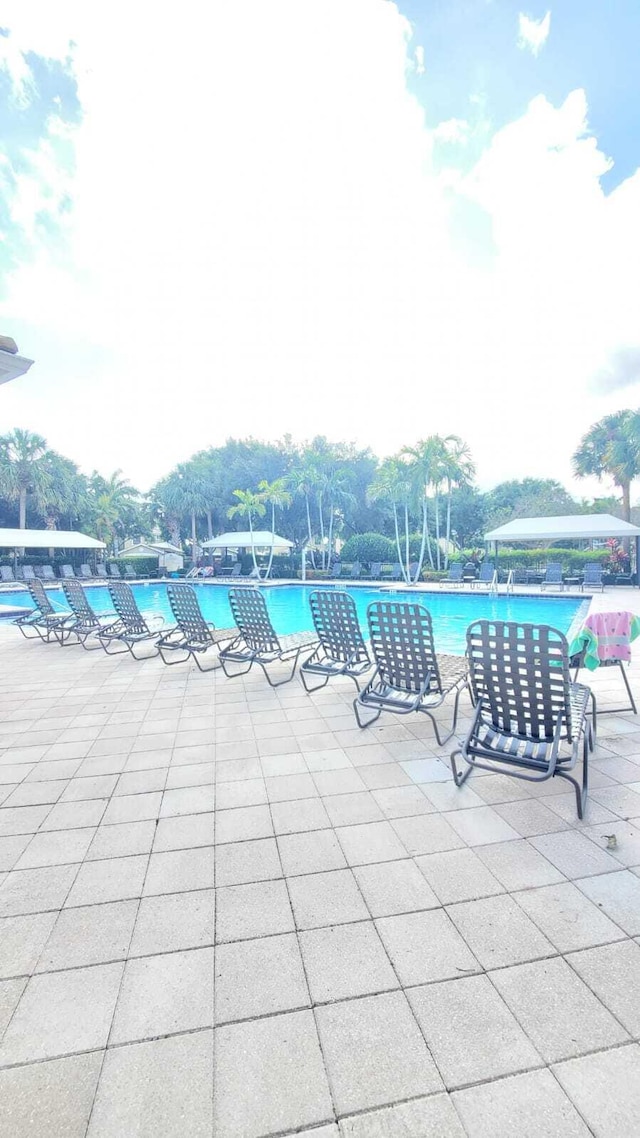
(52, 1098)
(62, 1012)
(185, 832)
(529, 816)
(240, 862)
(10, 993)
(458, 875)
(426, 770)
(531, 1105)
(518, 865)
(132, 808)
(425, 946)
(174, 921)
(374, 1052)
(612, 971)
(244, 823)
(141, 782)
(621, 800)
(393, 887)
(351, 809)
(565, 806)
(574, 854)
(299, 816)
(627, 838)
(560, 1014)
(187, 800)
(567, 917)
(432, 1117)
(114, 879)
(175, 871)
(33, 793)
(36, 890)
(269, 1077)
(346, 781)
(22, 819)
(163, 994)
(498, 932)
(58, 847)
(95, 934)
(470, 1031)
(446, 796)
(287, 788)
(257, 910)
(402, 802)
(384, 775)
(11, 849)
(427, 834)
(159, 1089)
(21, 942)
(250, 792)
(312, 852)
(75, 815)
(192, 774)
(97, 786)
(605, 1088)
(259, 977)
(618, 895)
(346, 960)
(332, 898)
(480, 825)
(121, 841)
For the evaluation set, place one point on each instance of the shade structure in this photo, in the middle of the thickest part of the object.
(568, 527)
(47, 539)
(262, 539)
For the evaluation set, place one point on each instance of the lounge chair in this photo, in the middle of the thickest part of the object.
(67, 573)
(487, 577)
(27, 573)
(131, 628)
(356, 570)
(85, 572)
(101, 570)
(113, 570)
(413, 569)
(341, 650)
(526, 706)
(192, 634)
(44, 622)
(410, 675)
(130, 573)
(256, 641)
(553, 576)
(83, 621)
(454, 576)
(375, 571)
(6, 574)
(337, 570)
(46, 573)
(395, 573)
(592, 577)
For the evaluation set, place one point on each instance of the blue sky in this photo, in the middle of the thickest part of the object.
(281, 217)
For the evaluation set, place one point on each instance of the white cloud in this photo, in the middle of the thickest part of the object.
(533, 34)
(262, 243)
(419, 57)
(453, 130)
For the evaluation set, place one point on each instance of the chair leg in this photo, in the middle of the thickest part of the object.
(359, 721)
(459, 777)
(287, 679)
(316, 687)
(445, 738)
(240, 672)
(626, 684)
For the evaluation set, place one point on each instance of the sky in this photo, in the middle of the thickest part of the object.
(359, 218)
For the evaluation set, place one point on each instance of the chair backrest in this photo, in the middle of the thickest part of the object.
(413, 568)
(376, 568)
(252, 620)
(6, 573)
(67, 571)
(553, 572)
(28, 573)
(486, 571)
(85, 570)
(114, 570)
(337, 569)
(129, 573)
(47, 573)
(522, 673)
(40, 598)
(186, 611)
(356, 569)
(101, 569)
(396, 571)
(237, 569)
(592, 574)
(402, 644)
(336, 622)
(78, 602)
(455, 571)
(126, 608)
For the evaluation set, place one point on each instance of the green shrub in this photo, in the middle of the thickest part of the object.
(368, 547)
(538, 558)
(142, 566)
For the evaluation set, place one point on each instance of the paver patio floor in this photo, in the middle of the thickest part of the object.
(224, 910)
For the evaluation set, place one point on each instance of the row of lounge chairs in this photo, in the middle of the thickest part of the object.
(553, 577)
(67, 573)
(517, 675)
(376, 571)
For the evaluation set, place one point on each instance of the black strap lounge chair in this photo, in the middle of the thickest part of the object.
(46, 573)
(256, 641)
(192, 635)
(131, 628)
(341, 650)
(129, 573)
(375, 571)
(553, 576)
(101, 569)
(113, 570)
(83, 623)
(67, 573)
(395, 574)
(337, 570)
(356, 570)
(487, 577)
(592, 578)
(409, 675)
(526, 706)
(454, 576)
(27, 573)
(45, 622)
(85, 572)
(6, 573)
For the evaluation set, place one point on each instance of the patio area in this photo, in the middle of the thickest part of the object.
(225, 910)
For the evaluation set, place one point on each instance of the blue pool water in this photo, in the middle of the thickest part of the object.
(289, 607)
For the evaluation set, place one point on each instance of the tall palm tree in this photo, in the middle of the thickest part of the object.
(249, 505)
(302, 480)
(22, 468)
(116, 503)
(459, 470)
(276, 495)
(338, 494)
(612, 447)
(426, 460)
(392, 484)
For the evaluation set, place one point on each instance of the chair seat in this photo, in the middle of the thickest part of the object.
(507, 746)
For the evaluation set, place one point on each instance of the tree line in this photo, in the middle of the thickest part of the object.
(311, 493)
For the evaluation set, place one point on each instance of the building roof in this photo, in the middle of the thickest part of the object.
(262, 539)
(567, 527)
(47, 539)
(155, 547)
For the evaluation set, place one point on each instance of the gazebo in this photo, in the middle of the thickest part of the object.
(262, 541)
(567, 527)
(46, 539)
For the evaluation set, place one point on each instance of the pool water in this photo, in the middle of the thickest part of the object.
(289, 607)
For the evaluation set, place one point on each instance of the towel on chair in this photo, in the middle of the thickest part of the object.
(606, 637)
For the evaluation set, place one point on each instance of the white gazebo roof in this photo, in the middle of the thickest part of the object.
(567, 527)
(47, 539)
(262, 539)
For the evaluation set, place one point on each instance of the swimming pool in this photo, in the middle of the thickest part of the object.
(289, 607)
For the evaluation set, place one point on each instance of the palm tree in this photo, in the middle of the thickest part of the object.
(302, 481)
(392, 483)
(459, 470)
(336, 490)
(115, 501)
(426, 461)
(276, 495)
(249, 505)
(612, 447)
(22, 468)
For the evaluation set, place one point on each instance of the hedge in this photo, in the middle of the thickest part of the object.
(368, 547)
(569, 558)
(142, 566)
